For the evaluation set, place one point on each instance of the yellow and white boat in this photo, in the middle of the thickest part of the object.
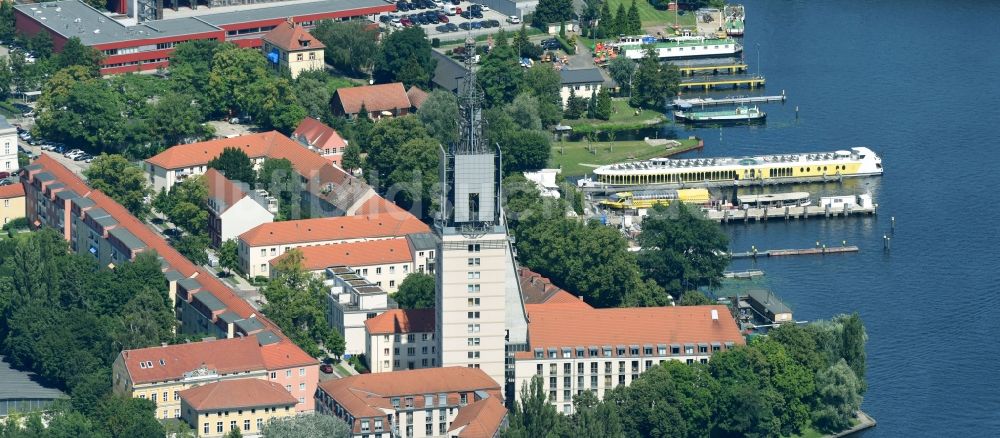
(735, 171)
(648, 198)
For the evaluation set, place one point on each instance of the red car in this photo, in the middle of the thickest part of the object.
(406, 22)
(326, 368)
(443, 18)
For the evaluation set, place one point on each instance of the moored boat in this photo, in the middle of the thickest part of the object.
(734, 115)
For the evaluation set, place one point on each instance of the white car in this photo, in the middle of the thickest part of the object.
(513, 19)
(486, 8)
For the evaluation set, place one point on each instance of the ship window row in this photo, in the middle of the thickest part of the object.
(720, 175)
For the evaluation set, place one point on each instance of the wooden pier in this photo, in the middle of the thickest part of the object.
(731, 68)
(734, 81)
(708, 101)
(743, 275)
(794, 252)
(757, 214)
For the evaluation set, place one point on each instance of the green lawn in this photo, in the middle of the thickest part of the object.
(623, 118)
(341, 370)
(575, 157)
(651, 16)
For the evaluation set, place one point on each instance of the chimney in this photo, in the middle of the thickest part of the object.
(715, 315)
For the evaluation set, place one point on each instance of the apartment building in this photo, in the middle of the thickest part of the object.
(96, 225)
(162, 373)
(401, 339)
(233, 208)
(433, 402)
(265, 242)
(384, 262)
(350, 301)
(8, 153)
(290, 46)
(11, 203)
(326, 189)
(214, 409)
(321, 139)
(576, 348)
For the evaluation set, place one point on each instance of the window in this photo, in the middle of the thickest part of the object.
(288, 388)
(463, 398)
(473, 328)
(263, 252)
(473, 355)
(218, 427)
(274, 375)
(411, 351)
(260, 423)
(204, 428)
(473, 302)
(378, 270)
(299, 57)
(378, 424)
(473, 342)
(288, 373)
(246, 424)
(302, 371)
(392, 283)
(474, 288)
(474, 261)
(302, 386)
(410, 338)
(538, 369)
(473, 315)
(473, 275)
(395, 402)
(365, 426)
(263, 267)
(473, 247)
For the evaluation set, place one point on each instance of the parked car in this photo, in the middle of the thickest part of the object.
(83, 157)
(513, 19)
(405, 22)
(494, 23)
(384, 19)
(442, 17)
(465, 26)
(4, 175)
(452, 27)
(477, 25)
(326, 368)
(402, 6)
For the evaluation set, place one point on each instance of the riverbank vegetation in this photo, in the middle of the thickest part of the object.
(796, 379)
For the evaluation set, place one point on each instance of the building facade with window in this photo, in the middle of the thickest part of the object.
(265, 242)
(401, 339)
(350, 301)
(576, 348)
(321, 139)
(233, 208)
(290, 46)
(214, 409)
(161, 373)
(433, 402)
(8, 148)
(384, 262)
(11, 202)
(581, 82)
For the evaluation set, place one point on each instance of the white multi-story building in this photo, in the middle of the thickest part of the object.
(401, 339)
(384, 262)
(480, 313)
(8, 147)
(351, 301)
(576, 348)
(233, 208)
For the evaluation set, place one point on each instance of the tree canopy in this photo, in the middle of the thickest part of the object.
(235, 165)
(351, 46)
(682, 251)
(405, 57)
(654, 84)
(439, 114)
(416, 291)
(307, 426)
(122, 181)
(296, 302)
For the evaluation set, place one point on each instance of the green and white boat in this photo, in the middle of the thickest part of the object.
(740, 114)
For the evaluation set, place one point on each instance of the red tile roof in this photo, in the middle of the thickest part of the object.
(223, 190)
(377, 204)
(366, 394)
(225, 356)
(11, 191)
(556, 325)
(333, 228)
(400, 321)
(318, 135)
(416, 96)
(282, 354)
(376, 98)
(353, 254)
(291, 37)
(199, 154)
(537, 289)
(481, 419)
(237, 394)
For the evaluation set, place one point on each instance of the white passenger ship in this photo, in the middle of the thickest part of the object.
(678, 47)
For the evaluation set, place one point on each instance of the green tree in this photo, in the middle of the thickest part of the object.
(414, 177)
(552, 11)
(694, 297)
(350, 46)
(89, 116)
(621, 70)
(41, 44)
(533, 416)
(670, 400)
(654, 84)
(75, 52)
(296, 302)
(416, 291)
(681, 250)
(178, 120)
(234, 433)
(606, 23)
(6, 75)
(122, 181)
(524, 111)
(594, 419)
(526, 150)
(351, 160)
(313, 95)
(193, 248)
(307, 426)
(69, 424)
(602, 105)
(229, 257)
(621, 19)
(853, 346)
(439, 114)
(234, 80)
(384, 145)
(632, 22)
(191, 64)
(235, 164)
(186, 205)
(405, 57)
(839, 396)
(279, 178)
(7, 21)
(127, 417)
(500, 75)
(146, 320)
(543, 82)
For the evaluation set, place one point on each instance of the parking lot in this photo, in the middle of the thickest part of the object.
(440, 18)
